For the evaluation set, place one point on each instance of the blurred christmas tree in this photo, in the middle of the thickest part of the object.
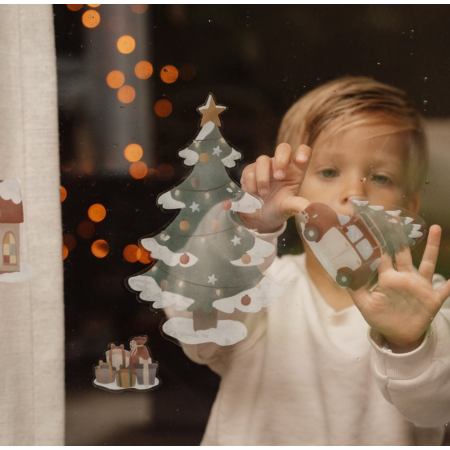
(207, 260)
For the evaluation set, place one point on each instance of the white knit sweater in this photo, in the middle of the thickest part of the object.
(308, 375)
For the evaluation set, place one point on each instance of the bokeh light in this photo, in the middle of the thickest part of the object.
(139, 9)
(187, 72)
(132, 253)
(143, 70)
(86, 229)
(67, 166)
(63, 192)
(90, 18)
(138, 170)
(94, 6)
(74, 7)
(145, 257)
(126, 94)
(97, 212)
(115, 79)
(69, 241)
(165, 172)
(65, 252)
(163, 108)
(126, 44)
(133, 152)
(100, 248)
(169, 74)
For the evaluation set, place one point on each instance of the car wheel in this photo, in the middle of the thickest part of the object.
(344, 279)
(311, 234)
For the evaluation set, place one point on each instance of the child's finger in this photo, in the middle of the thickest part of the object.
(262, 174)
(302, 154)
(403, 260)
(293, 205)
(281, 160)
(385, 263)
(430, 255)
(444, 291)
(248, 179)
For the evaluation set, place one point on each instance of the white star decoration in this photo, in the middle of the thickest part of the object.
(195, 206)
(236, 240)
(212, 279)
(217, 151)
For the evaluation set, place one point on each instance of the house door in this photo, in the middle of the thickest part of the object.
(9, 250)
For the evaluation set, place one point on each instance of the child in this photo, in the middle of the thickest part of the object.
(328, 366)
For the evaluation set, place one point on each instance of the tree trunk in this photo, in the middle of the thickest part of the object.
(204, 321)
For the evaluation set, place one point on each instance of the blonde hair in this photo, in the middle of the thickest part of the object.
(347, 102)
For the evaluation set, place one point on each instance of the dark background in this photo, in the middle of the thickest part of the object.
(257, 60)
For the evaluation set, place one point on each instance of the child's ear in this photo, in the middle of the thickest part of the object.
(413, 203)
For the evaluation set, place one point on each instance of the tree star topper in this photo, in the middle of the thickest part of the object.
(210, 111)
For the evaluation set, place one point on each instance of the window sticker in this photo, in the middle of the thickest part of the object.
(12, 269)
(127, 369)
(350, 247)
(208, 263)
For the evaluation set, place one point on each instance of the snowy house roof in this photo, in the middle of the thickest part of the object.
(11, 207)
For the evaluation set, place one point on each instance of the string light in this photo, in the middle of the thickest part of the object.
(115, 79)
(143, 70)
(138, 170)
(69, 241)
(74, 7)
(163, 108)
(90, 18)
(86, 229)
(165, 172)
(97, 212)
(132, 253)
(100, 248)
(126, 44)
(133, 152)
(63, 193)
(139, 9)
(169, 74)
(145, 257)
(65, 252)
(126, 94)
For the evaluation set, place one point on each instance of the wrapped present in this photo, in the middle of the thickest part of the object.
(105, 373)
(138, 350)
(125, 378)
(118, 356)
(146, 372)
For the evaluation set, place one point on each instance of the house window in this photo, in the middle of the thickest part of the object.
(9, 250)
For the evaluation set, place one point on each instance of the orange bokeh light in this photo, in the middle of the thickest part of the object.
(74, 7)
(94, 6)
(126, 44)
(100, 248)
(132, 253)
(63, 193)
(139, 9)
(115, 79)
(133, 152)
(97, 212)
(86, 229)
(65, 252)
(143, 70)
(126, 94)
(169, 74)
(163, 108)
(90, 18)
(145, 257)
(138, 170)
(69, 241)
(165, 172)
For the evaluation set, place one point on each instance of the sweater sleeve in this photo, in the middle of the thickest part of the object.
(216, 356)
(418, 382)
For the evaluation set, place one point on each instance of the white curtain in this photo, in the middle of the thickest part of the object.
(31, 313)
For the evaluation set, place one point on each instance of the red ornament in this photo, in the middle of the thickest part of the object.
(226, 205)
(246, 300)
(184, 259)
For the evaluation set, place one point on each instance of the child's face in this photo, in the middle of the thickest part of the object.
(365, 161)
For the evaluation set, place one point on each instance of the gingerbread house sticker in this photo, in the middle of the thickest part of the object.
(11, 216)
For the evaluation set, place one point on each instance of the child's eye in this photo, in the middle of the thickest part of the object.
(380, 179)
(329, 173)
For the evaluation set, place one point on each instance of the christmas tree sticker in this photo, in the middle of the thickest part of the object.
(208, 262)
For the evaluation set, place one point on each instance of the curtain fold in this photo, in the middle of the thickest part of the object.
(32, 312)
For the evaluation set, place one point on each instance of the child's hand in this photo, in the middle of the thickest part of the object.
(276, 181)
(404, 303)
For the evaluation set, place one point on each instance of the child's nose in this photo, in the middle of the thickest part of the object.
(355, 186)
